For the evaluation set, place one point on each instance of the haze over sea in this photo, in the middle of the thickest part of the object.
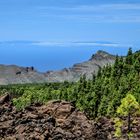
(54, 56)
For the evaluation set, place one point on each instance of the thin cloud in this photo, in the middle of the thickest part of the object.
(96, 7)
(107, 7)
(98, 13)
(66, 44)
(106, 18)
(76, 44)
(95, 13)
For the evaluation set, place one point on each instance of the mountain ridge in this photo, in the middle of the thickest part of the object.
(12, 74)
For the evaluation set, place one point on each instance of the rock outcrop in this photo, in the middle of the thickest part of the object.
(18, 75)
(90, 67)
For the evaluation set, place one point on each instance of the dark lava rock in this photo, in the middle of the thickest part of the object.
(58, 120)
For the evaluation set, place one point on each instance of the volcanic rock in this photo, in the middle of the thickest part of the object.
(57, 120)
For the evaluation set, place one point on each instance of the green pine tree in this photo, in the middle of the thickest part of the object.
(128, 108)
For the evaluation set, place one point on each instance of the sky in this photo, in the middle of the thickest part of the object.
(116, 21)
(53, 34)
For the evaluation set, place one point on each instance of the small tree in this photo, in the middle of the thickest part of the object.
(137, 66)
(129, 107)
(129, 57)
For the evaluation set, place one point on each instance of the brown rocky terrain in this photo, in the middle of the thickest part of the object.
(18, 75)
(58, 120)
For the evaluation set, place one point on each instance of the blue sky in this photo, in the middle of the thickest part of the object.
(115, 21)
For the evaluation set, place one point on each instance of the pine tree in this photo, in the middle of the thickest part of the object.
(120, 66)
(129, 107)
(137, 66)
(129, 57)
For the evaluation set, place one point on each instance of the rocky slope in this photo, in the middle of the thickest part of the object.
(58, 120)
(89, 67)
(17, 75)
(13, 74)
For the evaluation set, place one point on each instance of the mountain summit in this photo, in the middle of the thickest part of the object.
(101, 55)
(12, 74)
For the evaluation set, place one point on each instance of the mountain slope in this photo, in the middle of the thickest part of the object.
(89, 67)
(12, 74)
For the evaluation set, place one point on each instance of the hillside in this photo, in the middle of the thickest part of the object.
(108, 105)
(90, 67)
(18, 75)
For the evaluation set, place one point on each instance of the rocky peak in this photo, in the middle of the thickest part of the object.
(101, 55)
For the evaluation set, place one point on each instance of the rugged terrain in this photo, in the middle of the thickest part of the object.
(57, 120)
(17, 75)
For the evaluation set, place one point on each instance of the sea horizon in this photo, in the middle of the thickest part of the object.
(45, 56)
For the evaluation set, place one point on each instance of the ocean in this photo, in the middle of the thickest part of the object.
(45, 58)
